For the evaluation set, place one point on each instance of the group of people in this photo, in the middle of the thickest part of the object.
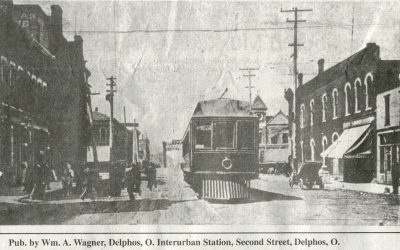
(37, 178)
(120, 176)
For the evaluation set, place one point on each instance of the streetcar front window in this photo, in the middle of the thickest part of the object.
(223, 135)
(245, 136)
(203, 135)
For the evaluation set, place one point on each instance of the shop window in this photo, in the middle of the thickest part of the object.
(335, 103)
(245, 135)
(368, 85)
(387, 110)
(203, 135)
(223, 134)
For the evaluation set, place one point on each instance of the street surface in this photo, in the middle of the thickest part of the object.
(272, 202)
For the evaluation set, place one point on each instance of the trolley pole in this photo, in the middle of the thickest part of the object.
(110, 98)
(295, 44)
(249, 87)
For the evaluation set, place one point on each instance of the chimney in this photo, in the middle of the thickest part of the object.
(321, 66)
(300, 77)
(96, 109)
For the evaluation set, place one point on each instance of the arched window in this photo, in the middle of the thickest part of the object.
(347, 90)
(302, 110)
(335, 103)
(324, 147)
(368, 84)
(312, 149)
(103, 135)
(302, 151)
(312, 112)
(324, 107)
(335, 136)
(356, 95)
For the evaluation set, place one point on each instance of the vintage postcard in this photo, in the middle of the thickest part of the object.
(199, 124)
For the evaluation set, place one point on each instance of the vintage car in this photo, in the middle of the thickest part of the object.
(309, 174)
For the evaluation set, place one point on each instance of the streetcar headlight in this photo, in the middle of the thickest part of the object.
(226, 163)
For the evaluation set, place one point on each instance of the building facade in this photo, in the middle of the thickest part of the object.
(335, 114)
(388, 133)
(44, 90)
(122, 148)
(276, 149)
(172, 153)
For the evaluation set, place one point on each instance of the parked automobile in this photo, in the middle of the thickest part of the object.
(309, 174)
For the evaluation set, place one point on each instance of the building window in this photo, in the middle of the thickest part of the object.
(312, 112)
(356, 95)
(324, 107)
(285, 138)
(312, 149)
(302, 151)
(347, 89)
(387, 110)
(103, 136)
(335, 136)
(368, 84)
(324, 146)
(302, 110)
(260, 135)
(274, 139)
(335, 103)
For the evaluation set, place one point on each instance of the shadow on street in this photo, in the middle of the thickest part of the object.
(55, 213)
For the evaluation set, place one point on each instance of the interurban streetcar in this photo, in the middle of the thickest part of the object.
(220, 149)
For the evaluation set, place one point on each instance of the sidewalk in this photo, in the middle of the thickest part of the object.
(362, 187)
(16, 194)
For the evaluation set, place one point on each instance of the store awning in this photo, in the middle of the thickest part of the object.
(347, 141)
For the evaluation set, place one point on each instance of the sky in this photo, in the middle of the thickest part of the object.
(167, 56)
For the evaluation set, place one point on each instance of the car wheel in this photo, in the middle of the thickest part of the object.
(290, 183)
(301, 184)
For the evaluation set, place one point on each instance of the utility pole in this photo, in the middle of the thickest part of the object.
(249, 76)
(295, 44)
(110, 98)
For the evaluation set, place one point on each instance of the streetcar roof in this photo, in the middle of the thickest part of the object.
(222, 107)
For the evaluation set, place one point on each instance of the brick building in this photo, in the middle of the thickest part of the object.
(388, 133)
(44, 90)
(335, 113)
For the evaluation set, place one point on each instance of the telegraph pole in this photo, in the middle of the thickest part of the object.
(110, 98)
(295, 44)
(249, 76)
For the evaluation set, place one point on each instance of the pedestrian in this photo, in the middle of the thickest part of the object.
(39, 179)
(67, 176)
(27, 177)
(151, 176)
(395, 177)
(133, 181)
(116, 177)
(88, 178)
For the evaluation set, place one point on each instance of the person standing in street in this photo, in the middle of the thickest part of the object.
(133, 181)
(395, 177)
(66, 179)
(151, 176)
(39, 179)
(88, 178)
